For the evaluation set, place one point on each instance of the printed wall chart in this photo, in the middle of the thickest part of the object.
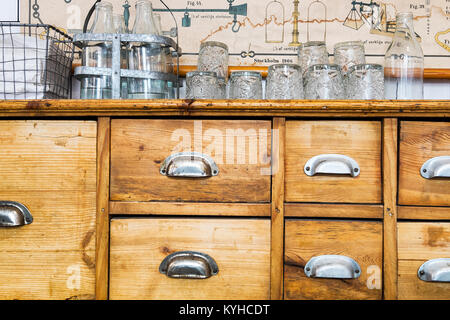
(263, 32)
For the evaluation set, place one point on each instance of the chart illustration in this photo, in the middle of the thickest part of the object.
(263, 32)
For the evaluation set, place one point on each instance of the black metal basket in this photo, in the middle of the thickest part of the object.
(35, 62)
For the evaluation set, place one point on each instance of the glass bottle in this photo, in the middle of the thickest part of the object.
(146, 57)
(404, 62)
(98, 55)
(120, 28)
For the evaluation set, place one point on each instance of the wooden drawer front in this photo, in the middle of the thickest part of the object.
(360, 241)
(418, 243)
(241, 249)
(420, 142)
(358, 140)
(241, 150)
(50, 167)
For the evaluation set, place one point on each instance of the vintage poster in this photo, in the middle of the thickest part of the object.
(263, 32)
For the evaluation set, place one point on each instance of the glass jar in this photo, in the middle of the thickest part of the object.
(246, 85)
(365, 82)
(324, 81)
(213, 57)
(284, 82)
(99, 55)
(348, 54)
(311, 53)
(202, 85)
(404, 62)
(146, 57)
(119, 28)
(222, 94)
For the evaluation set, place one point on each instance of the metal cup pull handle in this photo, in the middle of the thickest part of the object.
(189, 265)
(14, 214)
(438, 167)
(436, 270)
(332, 164)
(332, 267)
(189, 165)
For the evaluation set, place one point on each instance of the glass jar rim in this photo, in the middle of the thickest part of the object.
(143, 2)
(406, 14)
(357, 43)
(246, 74)
(104, 4)
(214, 44)
(284, 65)
(312, 44)
(365, 66)
(325, 66)
(202, 73)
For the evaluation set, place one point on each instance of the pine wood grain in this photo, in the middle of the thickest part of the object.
(50, 167)
(361, 241)
(277, 231)
(314, 210)
(359, 140)
(424, 213)
(418, 243)
(195, 209)
(139, 147)
(390, 155)
(420, 142)
(241, 248)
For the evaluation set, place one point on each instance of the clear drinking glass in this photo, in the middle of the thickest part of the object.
(365, 82)
(146, 57)
(98, 55)
(348, 54)
(311, 53)
(213, 57)
(222, 94)
(404, 62)
(324, 81)
(284, 82)
(246, 85)
(202, 85)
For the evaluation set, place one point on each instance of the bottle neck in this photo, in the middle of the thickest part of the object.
(103, 22)
(145, 21)
(404, 22)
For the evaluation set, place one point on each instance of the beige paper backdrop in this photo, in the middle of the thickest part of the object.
(265, 27)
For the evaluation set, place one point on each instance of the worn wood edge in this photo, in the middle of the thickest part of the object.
(289, 108)
(423, 213)
(390, 254)
(315, 210)
(277, 226)
(102, 222)
(190, 208)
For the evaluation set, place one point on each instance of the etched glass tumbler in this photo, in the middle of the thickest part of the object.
(202, 85)
(246, 85)
(213, 57)
(284, 82)
(324, 82)
(348, 54)
(365, 82)
(311, 53)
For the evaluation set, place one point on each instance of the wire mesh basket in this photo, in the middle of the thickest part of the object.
(35, 62)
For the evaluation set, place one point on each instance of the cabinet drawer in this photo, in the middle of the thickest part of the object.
(239, 149)
(419, 143)
(315, 245)
(333, 161)
(417, 244)
(239, 247)
(49, 167)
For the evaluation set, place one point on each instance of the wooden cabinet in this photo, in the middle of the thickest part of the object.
(333, 244)
(239, 247)
(49, 167)
(420, 142)
(240, 150)
(333, 161)
(417, 244)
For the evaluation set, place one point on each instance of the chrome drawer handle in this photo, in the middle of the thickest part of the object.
(438, 167)
(14, 214)
(436, 270)
(332, 267)
(189, 265)
(332, 164)
(189, 165)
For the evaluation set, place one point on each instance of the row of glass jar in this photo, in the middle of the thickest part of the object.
(135, 56)
(286, 81)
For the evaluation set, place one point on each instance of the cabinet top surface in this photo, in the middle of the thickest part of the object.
(224, 108)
